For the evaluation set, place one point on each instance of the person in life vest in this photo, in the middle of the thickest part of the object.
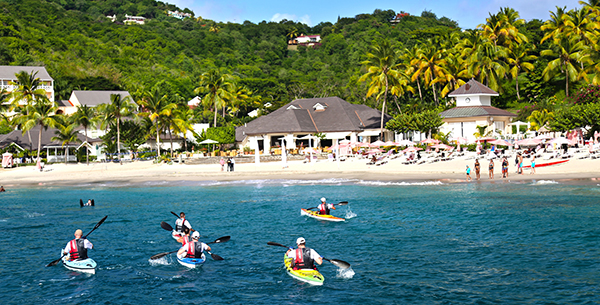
(194, 248)
(180, 223)
(304, 258)
(324, 207)
(77, 248)
(185, 238)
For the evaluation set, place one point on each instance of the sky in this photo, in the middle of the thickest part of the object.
(468, 13)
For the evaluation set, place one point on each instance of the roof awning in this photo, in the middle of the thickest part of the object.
(336, 135)
(368, 133)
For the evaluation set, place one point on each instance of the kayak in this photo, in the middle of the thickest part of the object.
(316, 215)
(176, 235)
(547, 164)
(87, 265)
(192, 262)
(311, 276)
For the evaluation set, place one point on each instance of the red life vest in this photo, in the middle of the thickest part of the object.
(323, 209)
(78, 250)
(303, 259)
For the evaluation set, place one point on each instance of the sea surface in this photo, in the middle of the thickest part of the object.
(408, 243)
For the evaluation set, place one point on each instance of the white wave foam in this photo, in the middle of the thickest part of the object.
(161, 261)
(345, 273)
(401, 183)
(34, 214)
(349, 214)
(543, 182)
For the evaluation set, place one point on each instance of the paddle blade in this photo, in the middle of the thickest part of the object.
(160, 255)
(174, 214)
(55, 262)
(338, 263)
(270, 243)
(216, 257)
(93, 204)
(80, 204)
(166, 226)
(220, 240)
(342, 203)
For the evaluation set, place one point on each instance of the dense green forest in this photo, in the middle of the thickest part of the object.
(529, 62)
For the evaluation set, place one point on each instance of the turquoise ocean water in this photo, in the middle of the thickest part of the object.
(408, 243)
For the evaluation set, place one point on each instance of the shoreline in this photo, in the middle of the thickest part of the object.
(144, 172)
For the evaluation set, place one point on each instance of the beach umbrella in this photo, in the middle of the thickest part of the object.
(364, 144)
(442, 146)
(485, 139)
(389, 143)
(208, 141)
(343, 142)
(430, 141)
(310, 150)
(377, 143)
(412, 149)
(405, 143)
(461, 140)
(529, 142)
(500, 142)
(544, 137)
(561, 141)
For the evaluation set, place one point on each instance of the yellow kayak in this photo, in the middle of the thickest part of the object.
(316, 215)
(311, 276)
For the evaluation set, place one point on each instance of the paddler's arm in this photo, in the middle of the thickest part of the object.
(181, 251)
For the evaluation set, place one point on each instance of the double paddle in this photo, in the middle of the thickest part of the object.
(214, 256)
(339, 203)
(337, 262)
(168, 227)
(95, 227)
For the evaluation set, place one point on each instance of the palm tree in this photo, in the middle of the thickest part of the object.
(409, 59)
(539, 118)
(455, 68)
(431, 65)
(156, 106)
(119, 107)
(554, 27)
(42, 113)
(86, 117)
(484, 64)
(381, 66)
(66, 134)
(579, 23)
(217, 87)
(518, 60)
(28, 89)
(567, 52)
(4, 106)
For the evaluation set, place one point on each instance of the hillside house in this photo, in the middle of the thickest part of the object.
(8, 79)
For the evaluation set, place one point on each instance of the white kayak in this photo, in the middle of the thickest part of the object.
(192, 262)
(87, 265)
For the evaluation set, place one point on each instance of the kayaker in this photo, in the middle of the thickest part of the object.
(180, 223)
(304, 258)
(185, 238)
(324, 207)
(194, 248)
(2, 189)
(77, 248)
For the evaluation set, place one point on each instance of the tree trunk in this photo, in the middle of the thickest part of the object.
(40, 142)
(171, 139)
(419, 86)
(434, 95)
(157, 140)
(567, 82)
(215, 113)
(383, 109)
(87, 151)
(119, 141)
(517, 82)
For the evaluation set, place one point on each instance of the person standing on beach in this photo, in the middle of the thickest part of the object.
(491, 169)
(229, 164)
(520, 157)
(532, 165)
(222, 162)
(504, 167)
(232, 164)
(477, 168)
(77, 248)
(469, 174)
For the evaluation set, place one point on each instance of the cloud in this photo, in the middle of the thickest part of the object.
(304, 19)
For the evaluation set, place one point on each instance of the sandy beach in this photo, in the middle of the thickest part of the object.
(453, 171)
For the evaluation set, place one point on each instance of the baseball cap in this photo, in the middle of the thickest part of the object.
(323, 199)
(300, 240)
(195, 234)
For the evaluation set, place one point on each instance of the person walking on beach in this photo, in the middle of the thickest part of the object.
(491, 169)
(324, 207)
(222, 162)
(532, 165)
(504, 167)
(304, 258)
(180, 224)
(232, 164)
(469, 174)
(229, 164)
(193, 249)
(520, 164)
(477, 168)
(77, 248)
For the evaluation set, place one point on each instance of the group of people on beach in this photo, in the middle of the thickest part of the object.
(518, 163)
(230, 164)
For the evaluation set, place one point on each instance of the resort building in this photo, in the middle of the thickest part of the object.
(129, 19)
(179, 15)
(88, 98)
(474, 108)
(8, 79)
(312, 41)
(327, 119)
